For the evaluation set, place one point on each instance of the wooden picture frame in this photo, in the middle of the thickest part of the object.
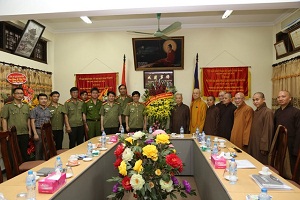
(31, 35)
(295, 38)
(280, 48)
(158, 54)
(152, 76)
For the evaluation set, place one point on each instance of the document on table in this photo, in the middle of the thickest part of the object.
(244, 164)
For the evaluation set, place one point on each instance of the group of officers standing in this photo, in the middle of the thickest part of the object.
(250, 130)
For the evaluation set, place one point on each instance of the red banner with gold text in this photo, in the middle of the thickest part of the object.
(229, 79)
(101, 81)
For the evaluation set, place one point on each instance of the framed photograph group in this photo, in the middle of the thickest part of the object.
(280, 48)
(158, 54)
(31, 35)
(152, 76)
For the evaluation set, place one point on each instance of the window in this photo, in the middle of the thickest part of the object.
(9, 37)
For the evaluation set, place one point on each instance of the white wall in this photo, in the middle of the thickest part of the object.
(100, 52)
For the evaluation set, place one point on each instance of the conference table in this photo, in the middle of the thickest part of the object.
(89, 179)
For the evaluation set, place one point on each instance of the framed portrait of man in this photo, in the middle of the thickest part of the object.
(158, 54)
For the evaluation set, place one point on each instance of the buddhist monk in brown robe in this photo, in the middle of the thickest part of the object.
(212, 117)
(180, 116)
(289, 116)
(242, 122)
(221, 97)
(262, 129)
(226, 117)
(198, 112)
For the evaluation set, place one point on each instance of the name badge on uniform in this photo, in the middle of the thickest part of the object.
(91, 106)
(132, 110)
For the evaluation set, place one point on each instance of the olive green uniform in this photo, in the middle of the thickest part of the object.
(111, 116)
(18, 117)
(123, 103)
(135, 113)
(74, 112)
(92, 112)
(57, 122)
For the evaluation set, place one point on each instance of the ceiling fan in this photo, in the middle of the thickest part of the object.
(163, 33)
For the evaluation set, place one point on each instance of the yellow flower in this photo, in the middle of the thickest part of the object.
(138, 166)
(151, 184)
(158, 172)
(122, 168)
(162, 139)
(129, 139)
(174, 150)
(151, 152)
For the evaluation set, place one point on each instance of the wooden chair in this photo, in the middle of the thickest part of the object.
(278, 157)
(1, 176)
(11, 154)
(48, 142)
(296, 173)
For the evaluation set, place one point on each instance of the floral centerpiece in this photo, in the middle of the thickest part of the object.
(159, 101)
(147, 167)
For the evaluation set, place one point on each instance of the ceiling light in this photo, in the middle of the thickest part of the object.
(86, 19)
(226, 14)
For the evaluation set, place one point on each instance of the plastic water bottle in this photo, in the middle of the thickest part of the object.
(89, 149)
(215, 150)
(199, 136)
(181, 132)
(103, 139)
(30, 185)
(122, 130)
(203, 136)
(58, 164)
(232, 171)
(150, 130)
(208, 142)
(264, 194)
(197, 133)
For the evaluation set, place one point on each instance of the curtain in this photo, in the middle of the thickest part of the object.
(286, 76)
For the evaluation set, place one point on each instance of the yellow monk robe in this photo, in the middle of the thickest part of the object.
(240, 132)
(198, 113)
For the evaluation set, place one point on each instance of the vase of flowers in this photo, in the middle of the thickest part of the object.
(147, 168)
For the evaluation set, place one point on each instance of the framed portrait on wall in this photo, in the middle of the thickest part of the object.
(280, 48)
(152, 76)
(158, 54)
(31, 35)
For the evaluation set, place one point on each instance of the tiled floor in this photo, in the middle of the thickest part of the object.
(190, 179)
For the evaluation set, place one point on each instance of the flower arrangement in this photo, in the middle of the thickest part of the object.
(147, 167)
(159, 101)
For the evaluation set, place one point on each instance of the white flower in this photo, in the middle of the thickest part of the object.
(127, 154)
(168, 186)
(137, 182)
(138, 135)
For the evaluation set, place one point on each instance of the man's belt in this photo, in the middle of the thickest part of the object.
(93, 120)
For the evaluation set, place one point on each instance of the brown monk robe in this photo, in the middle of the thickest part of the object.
(242, 123)
(261, 133)
(198, 112)
(212, 118)
(180, 116)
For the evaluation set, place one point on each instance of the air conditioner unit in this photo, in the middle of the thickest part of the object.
(291, 22)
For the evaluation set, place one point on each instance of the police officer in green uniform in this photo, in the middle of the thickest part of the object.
(73, 118)
(16, 113)
(111, 115)
(57, 111)
(134, 114)
(91, 114)
(123, 100)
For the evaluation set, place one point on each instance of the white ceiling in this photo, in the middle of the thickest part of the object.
(139, 17)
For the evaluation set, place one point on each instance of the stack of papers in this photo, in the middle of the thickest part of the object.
(244, 164)
(269, 182)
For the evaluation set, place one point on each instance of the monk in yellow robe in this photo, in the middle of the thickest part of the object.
(243, 115)
(198, 112)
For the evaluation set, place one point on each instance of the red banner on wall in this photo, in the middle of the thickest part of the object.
(229, 79)
(101, 81)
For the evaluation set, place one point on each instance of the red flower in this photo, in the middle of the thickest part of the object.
(118, 152)
(118, 162)
(126, 183)
(174, 161)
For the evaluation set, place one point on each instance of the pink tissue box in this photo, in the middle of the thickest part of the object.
(51, 183)
(219, 163)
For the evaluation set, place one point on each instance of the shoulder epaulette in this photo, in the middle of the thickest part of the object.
(117, 103)
(117, 97)
(10, 102)
(68, 100)
(129, 96)
(80, 100)
(104, 103)
(129, 103)
(86, 101)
